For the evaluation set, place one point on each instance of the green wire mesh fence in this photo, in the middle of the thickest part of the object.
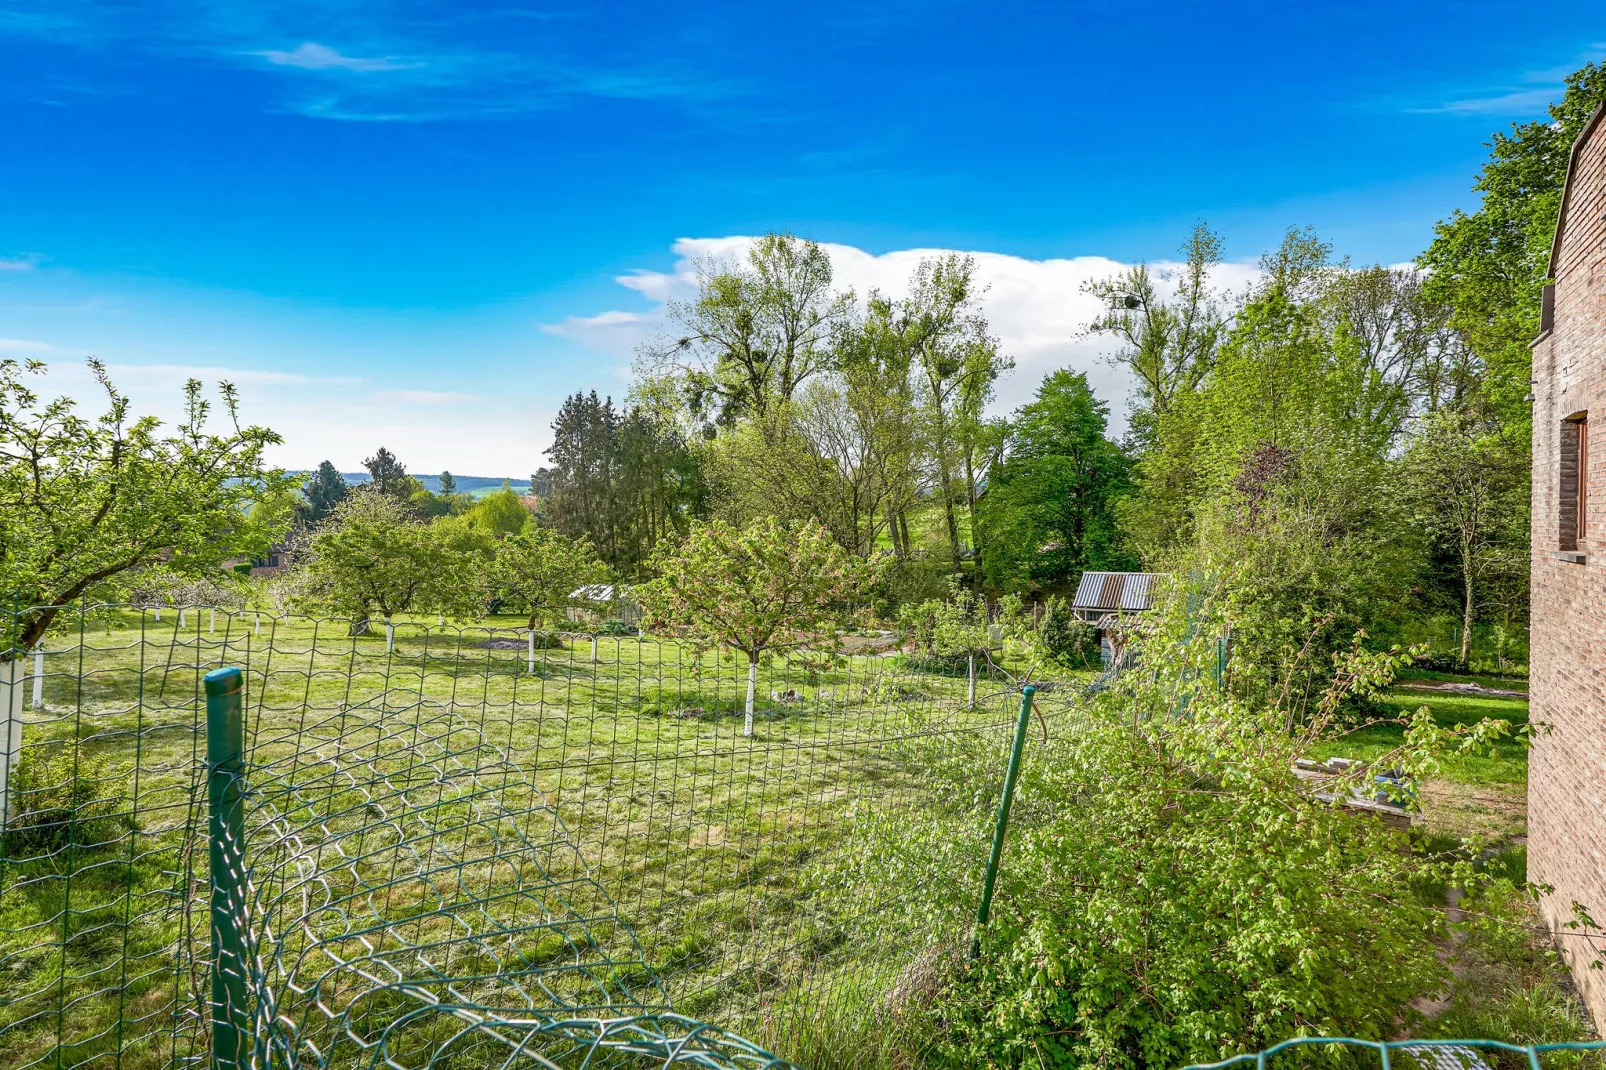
(1417, 1055)
(476, 846)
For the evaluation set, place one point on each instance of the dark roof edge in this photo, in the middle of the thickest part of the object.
(1567, 186)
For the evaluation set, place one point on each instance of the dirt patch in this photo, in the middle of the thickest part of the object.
(1491, 811)
(1456, 687)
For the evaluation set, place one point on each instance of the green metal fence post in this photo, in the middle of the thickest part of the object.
(225, 765)
(1003, 817)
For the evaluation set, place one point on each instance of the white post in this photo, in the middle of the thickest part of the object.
(532, 650)
(10, 731)
(390, 636)
(972, 679)
(752, 685)
(39, 677)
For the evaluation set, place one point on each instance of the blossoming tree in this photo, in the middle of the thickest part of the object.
(765, 588)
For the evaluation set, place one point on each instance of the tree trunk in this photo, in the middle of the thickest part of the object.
(752, 686)
(1469, 606)
(975, 529)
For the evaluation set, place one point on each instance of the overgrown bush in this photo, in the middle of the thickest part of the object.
(1068, 641)
(1172, 892)
(61, 794)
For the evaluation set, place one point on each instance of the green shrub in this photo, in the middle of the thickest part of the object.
(1172, 893)
(1068, 641)
(933, 664)
(615, 626)
(61, 794)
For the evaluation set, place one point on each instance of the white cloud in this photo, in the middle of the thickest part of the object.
(24, 345)
(16, 265)
(1037, 308)
(181, 373)
(311, 56)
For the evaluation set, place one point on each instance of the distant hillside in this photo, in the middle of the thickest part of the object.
(479, 486)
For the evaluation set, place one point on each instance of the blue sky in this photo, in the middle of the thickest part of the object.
(407, 223)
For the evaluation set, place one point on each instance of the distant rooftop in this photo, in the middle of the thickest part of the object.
(1101, 594)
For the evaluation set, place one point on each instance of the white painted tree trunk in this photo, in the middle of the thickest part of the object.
(158, 614)
(972, 681)
(752, 686)
(39, 678)
(259, 624)
(211, 622)
(390, 636)
(531, 653)
(11, 682)
(181, 620)
(593, 650)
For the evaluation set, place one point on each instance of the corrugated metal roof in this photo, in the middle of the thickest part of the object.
(1129, 592)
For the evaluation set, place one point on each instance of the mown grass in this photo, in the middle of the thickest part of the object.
(714, 848)
(1507, 765)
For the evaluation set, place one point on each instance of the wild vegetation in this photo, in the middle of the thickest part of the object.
(1330, 468)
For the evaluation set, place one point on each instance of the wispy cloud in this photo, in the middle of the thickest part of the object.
(1529, 93)
(25, 345)
(312, 56)
(356, 62)
(239, 376)
(425, 397)
(1514, 102)
(17, 265)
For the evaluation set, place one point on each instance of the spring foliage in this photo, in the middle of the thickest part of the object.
(87, 502)
(759, 589)
(1172, 892)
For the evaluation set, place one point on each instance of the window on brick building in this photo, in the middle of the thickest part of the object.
(1574, 480)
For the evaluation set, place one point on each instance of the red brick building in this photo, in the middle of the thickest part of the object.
(1567, 767)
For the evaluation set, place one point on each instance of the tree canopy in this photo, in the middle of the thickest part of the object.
(1049, 509)
(86, 502)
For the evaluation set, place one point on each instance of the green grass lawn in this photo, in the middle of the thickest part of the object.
(1507, 766)
(688, 852)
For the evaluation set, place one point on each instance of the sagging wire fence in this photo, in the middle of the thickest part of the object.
(447, 844)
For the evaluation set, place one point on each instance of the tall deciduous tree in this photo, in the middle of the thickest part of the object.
(1488, 266)
(1169, 343)
(541, 569)
(759, 589)
(756, 332)
(955, 362)
(1468, 489)
(1049, 508)
(84, 503)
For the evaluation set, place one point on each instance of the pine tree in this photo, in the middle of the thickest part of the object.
(389, 474)
(448, 485)
(325, 489)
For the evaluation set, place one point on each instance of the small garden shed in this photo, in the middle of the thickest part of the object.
(1111, 602)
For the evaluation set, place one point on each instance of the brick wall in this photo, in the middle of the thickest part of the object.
(1567, 768)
